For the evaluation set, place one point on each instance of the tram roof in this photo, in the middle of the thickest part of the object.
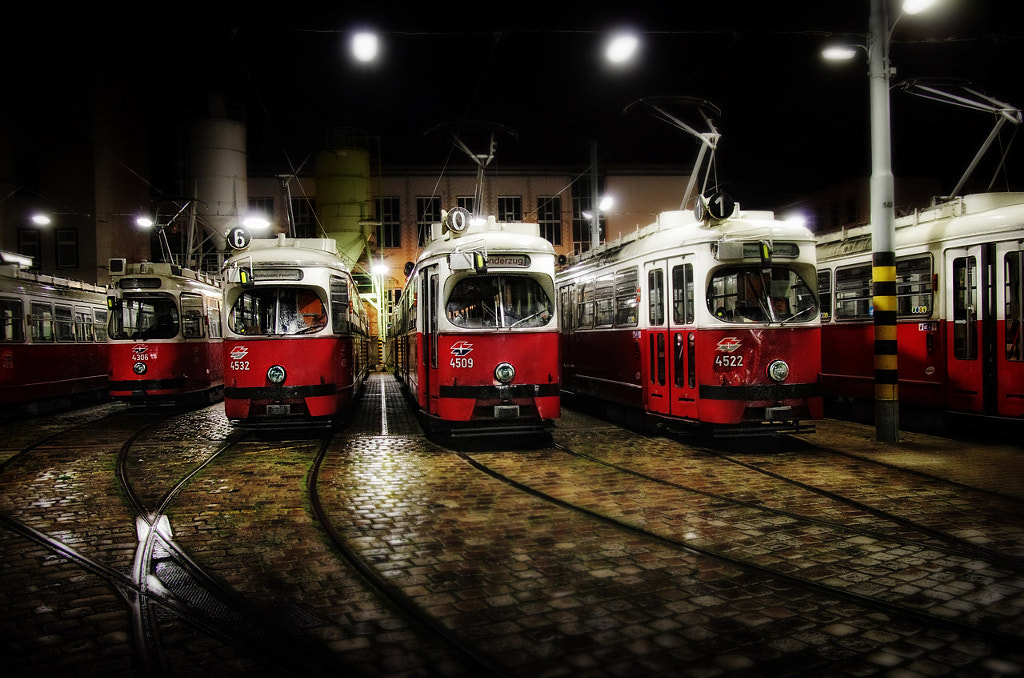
(979, 214)
(680, 228)
(289, 252)
(494, 236)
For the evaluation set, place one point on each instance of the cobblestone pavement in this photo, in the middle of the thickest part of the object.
(545, 582)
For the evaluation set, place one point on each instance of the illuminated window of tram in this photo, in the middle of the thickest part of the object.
(626, 297)
(12, 328)
(656, 297)
(498, 301)
(751, 294)
(278, 311)
(682, 294)
(965, 308)
(914, 286)
(1014, 303)
(83, 325)
(146, 318)
(41, 322)
(192, 325)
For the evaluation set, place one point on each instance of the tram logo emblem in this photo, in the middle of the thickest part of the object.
(729, 344)
(461, 348)
(239, 352)
(139, 349)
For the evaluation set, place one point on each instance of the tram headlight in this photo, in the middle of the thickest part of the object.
(139, 368)
(778, 370)
(276, 374)
(504, 372)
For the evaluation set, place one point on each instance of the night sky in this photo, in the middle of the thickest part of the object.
(791, 123)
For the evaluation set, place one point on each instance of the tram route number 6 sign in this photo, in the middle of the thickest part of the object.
(238, 238)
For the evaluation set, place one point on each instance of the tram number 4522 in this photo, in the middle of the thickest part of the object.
(728, 361)
(461, 362)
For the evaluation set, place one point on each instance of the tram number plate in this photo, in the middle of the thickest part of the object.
(461, 362)
(728, 361)
(240, 365)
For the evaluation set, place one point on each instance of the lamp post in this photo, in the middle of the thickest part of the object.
(883, 230)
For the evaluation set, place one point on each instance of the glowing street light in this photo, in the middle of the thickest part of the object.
(365, 46)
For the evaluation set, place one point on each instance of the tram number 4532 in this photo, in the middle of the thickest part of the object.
(461, 362)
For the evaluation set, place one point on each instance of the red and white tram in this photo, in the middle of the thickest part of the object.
(165, 333)
(476, 329)
(960, 299)
(296, 344)
(53, 338)
(706, 318)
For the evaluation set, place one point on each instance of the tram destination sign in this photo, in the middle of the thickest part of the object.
(508, 260)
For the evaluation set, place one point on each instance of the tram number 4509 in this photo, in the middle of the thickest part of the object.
(461, 362)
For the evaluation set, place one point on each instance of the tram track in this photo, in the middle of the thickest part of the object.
(544, 485)
(477, 663)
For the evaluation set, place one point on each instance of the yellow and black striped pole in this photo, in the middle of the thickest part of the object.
(883, 229)
(883, 275)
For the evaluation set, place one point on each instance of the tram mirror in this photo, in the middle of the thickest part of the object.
(765, 250)
(467, 261)
(240, 275)
(729, 250)
(113, 296)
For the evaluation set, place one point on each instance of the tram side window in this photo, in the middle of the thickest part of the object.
(1014, 301)
(914, 287)
(99, 323)
(825, 294)
(604, 293)
(12, 321)
(83, 325)
(656, 297)
(566, 310)
(853, 293)
(339, 305)
(585, 304)
(626, 297)
(682, 294)
(144, 318)
(64, 323)
(214, 314)
(192, 325)
(41, 322)
(965, 334)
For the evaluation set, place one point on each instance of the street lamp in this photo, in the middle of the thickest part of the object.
(883, 227)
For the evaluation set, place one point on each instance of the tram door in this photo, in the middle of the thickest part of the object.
(429, 353)
(970, 328)
(671, 378)
(656, 365)
(1009, 263)
(683, 339)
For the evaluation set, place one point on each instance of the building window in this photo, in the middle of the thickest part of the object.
(549, 216)
(466, 202)
(851, 210)
(67, 248)
(581, 223)
(390, 222)
(428, 211)
(510, 208)
(28, 244)
(304, 217)
(263, 207)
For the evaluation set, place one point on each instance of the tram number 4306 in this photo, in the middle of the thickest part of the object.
(728, 361)
(461, 362)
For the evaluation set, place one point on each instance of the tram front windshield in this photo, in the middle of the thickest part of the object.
(267, 311)
(506, 301)
(150, 317)
(752, 294)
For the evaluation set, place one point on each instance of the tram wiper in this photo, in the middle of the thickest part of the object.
(798, 314)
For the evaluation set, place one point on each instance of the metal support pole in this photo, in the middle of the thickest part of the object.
(883, 230)
(595, 224)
